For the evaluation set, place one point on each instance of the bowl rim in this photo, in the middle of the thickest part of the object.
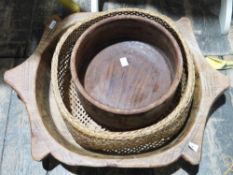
(157, 103)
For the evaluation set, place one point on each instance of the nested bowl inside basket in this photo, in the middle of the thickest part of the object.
(126, 70)
(87, 132)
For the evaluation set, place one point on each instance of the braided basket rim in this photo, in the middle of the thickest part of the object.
(126, 135)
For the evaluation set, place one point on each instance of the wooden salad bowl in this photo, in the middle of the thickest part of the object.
(126, 70)
(51, 136)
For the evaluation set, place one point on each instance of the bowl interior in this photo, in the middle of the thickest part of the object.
(127, 62)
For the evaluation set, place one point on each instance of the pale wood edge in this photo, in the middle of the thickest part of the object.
(22, 79)
(213, 84)
(39, 133)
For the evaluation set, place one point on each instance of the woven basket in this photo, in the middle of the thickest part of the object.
(92, 136)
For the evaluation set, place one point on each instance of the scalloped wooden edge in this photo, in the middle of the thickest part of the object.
(213, 84)
(43, 143)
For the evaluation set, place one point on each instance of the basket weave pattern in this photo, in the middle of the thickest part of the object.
(87, 132)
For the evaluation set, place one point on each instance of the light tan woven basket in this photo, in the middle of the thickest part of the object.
(92, 136)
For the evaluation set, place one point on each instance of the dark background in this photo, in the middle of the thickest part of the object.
(22, 21)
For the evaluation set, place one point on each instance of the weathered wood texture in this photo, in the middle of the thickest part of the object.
(17, 144)
(22, 22)
(5, 101)
(217, 156)
(166, 170)
(15, 140)
(207, 28)
(204, 16)
(108, 96)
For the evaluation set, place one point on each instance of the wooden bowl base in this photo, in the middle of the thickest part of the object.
(51, 136)
(128, 75)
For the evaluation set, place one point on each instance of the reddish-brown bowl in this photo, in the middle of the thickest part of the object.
(126, 70)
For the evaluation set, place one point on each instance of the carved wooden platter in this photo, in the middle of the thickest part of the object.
(31, 80)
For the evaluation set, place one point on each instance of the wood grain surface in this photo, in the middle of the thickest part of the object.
(135, 95)
(5, 101)
(45, 139)
(145, 79)
(15, 140)
(22, 24)
(216, 158)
